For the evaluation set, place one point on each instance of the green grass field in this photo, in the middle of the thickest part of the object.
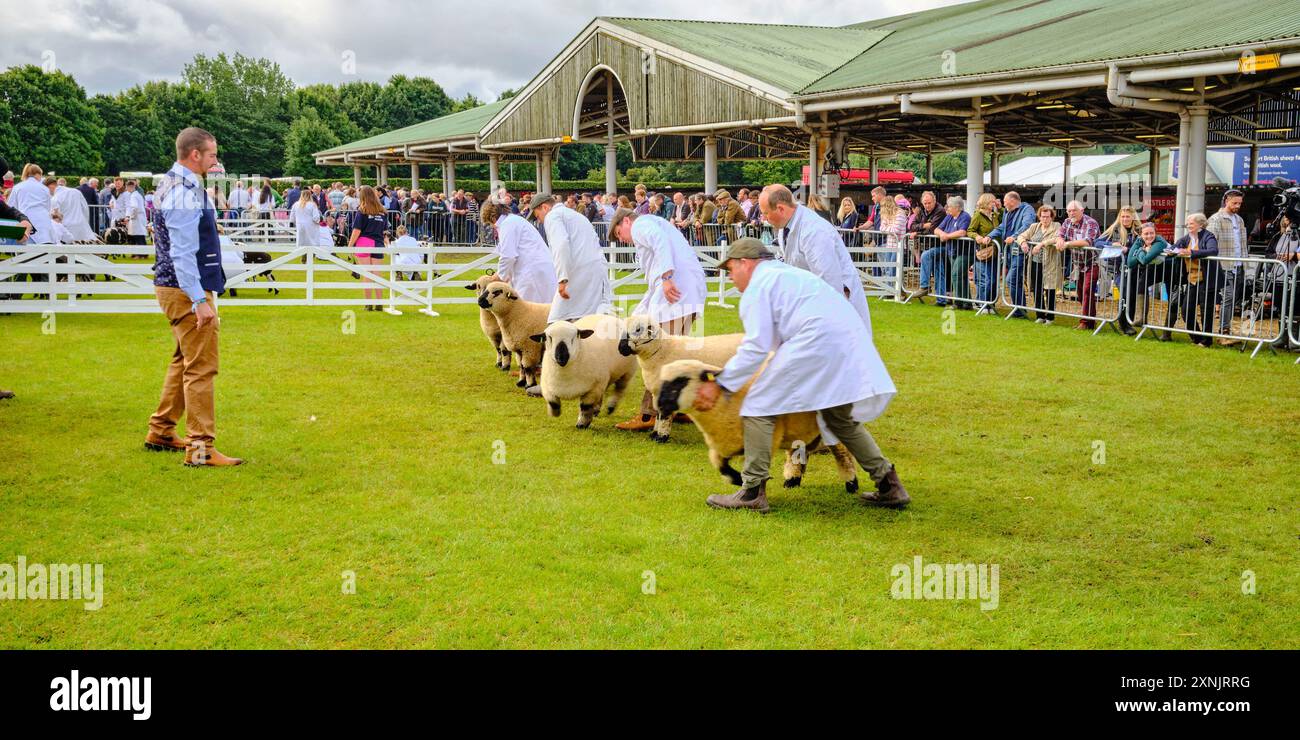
(372, 453)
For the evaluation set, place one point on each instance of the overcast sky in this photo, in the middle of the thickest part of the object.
(467, 46)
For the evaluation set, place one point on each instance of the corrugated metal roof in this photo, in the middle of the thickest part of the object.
(788, 57)
(1008, 35)
(462, 125)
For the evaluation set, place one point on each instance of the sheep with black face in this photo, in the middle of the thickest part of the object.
(654, 348)
(797, 434)
(581, 360)
(520, 321)
(487, 321)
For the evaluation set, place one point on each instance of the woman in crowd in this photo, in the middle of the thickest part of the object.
(369, 229)
(818, 206)
(265, 201)
(893, 222)
(1200, 282)
(847, 217)
(1145, 254)
(985, 259)
(306, 218)
(1042, 243)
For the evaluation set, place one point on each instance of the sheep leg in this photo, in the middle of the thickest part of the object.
(616, 393)
(663, 424)
(553, 407)
(503, 355)
(588, 409)
(793, 470)
(523, 372)
(723, 464)
(846, 466)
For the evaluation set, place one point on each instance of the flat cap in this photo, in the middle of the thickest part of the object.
(745, 248)
(540, 199)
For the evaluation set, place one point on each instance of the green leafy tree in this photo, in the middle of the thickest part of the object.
(133, 138)
(308, 134)
(252, 99)
(359, 102)
(406, 101)
(49, 121)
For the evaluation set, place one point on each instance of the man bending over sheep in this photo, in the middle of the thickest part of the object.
(675, 288)
(824, 361)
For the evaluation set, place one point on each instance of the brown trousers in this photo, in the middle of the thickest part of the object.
(188, 386)
(679, 326)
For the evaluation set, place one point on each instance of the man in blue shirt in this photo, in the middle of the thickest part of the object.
(1016, 219)
(187, 272)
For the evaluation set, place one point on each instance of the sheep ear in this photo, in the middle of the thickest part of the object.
(471, 286)
(585, 333)
(539, 338)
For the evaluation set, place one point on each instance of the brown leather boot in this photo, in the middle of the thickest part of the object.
(889, 492)
(745, 498)
(163, 443)
(197, 456)
(636, 424)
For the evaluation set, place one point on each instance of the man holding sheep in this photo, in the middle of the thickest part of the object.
(581, 272)
(823, 360)
(675, 287)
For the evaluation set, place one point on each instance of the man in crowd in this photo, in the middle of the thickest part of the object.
(1016, 219)
(238, 199)
(810, 242)
(1230, 231)
(187, 273)
(937, 258)
(822, 359)
(872, 221)
(90, 193)
(293, 194)
(729, 213)
(1078, 232)
(675, 287)
(929, 217)
(681, 212)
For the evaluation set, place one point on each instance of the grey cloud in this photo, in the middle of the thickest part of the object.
(468, 47)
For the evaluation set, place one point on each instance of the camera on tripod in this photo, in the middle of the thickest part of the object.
(1288, 203)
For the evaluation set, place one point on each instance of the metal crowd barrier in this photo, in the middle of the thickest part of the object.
(956, 271)
(1176, 285)
(1060, 283)
(1293, 310)
(878, 256)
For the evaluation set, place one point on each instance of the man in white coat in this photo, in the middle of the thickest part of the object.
(581, 271)
(129, 205)
(75, 212)
(675, 288)
(32, 197)
(523, 259)
(812, 243)
(823, 361)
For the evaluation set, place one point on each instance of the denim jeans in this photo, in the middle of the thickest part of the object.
(986, 280)
(935, 260)
(1016, 275)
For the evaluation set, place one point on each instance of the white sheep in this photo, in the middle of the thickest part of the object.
(488, 322)
(520, 320)
(797, 434)
(654, 348)
(581, 360)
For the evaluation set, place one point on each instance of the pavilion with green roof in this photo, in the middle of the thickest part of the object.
(990, 76)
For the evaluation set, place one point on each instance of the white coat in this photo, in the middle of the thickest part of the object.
(578, 259)
(816, 246)
(407, 259)
(74, 209)
(823, 357)
(661, 248)
(130, 206)
(306, 221)
(32, 197)
(524, 259)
